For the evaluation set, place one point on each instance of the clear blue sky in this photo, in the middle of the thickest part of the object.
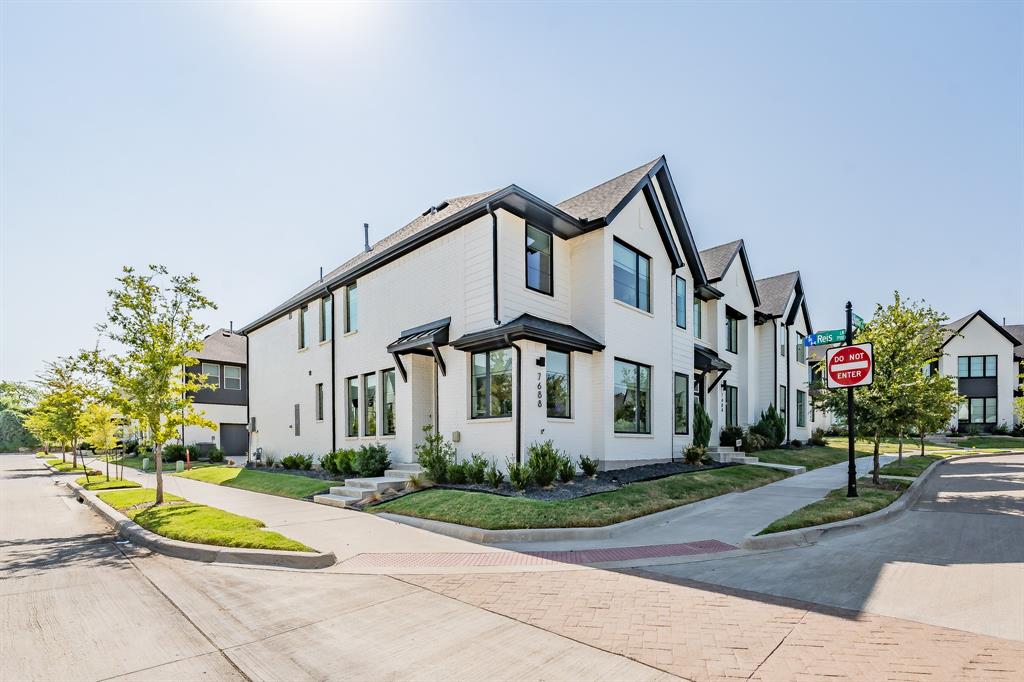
(872, 146)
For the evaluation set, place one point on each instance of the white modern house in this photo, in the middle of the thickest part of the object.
(223, 361)
(500, 319)
(985, 357)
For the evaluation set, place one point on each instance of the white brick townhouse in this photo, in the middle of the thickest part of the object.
(500, 319)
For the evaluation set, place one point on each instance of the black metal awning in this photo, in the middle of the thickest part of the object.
(422, 340)
(532, 328)
(707, 360)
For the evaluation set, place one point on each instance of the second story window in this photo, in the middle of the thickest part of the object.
(801, 349)
(326, 319)
(212, 372)
(698, 320)
(732, 335)
(539, 273)
(976, 366)
(680, 302)
(632, 277)
(232, 378)
(303, 327)
(351, 309)
(782, 341)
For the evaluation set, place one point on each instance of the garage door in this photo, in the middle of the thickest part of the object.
(234, 439)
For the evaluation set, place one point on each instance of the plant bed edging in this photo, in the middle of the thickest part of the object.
(179, 549)
(810, 535)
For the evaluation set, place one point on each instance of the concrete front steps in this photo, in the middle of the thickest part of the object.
(357, 490)
(727, 455)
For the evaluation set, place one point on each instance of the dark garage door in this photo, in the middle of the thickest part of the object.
(234, 439)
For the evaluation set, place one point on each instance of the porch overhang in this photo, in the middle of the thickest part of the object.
(707, 360)
(532, 328)
(425, 339)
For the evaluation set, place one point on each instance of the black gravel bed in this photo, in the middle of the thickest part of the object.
(650, 472)
(310, 473)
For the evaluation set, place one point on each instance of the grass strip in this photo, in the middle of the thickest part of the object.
(495, 512)
(990, 442)
(104, 483)
(180, 519)
(911, 466)
(285, 485)
(836, 506)
(67, 467)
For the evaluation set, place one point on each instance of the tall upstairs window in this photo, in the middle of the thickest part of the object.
(351, 308)
(681, 302)
(782, 340)
(632, 277)
(976, 366)
(326, 319)
(698, 319)
(801, 349)
(303, 327)
(732, 335)
(539, 272)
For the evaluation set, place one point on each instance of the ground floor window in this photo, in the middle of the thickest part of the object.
(978, 411)
(319, 402)
(388, 402)
(370, 404)
(492, 384)
(632, 397)
(732, 406)
(558, 384)
(352, 397)
(783, 401)
(682, 404)
(801, 408)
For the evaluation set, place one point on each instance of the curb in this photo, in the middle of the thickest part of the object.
(802, 537)
(127, 528)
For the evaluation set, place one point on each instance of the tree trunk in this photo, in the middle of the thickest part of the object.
(901, 448)
(158, 456)
(922, 442)
(874, 470)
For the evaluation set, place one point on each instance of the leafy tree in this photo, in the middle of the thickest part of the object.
(936, 402)
(100, 427)
(152, 318)
(15, 407)
(65, 393)
(772, 426)
(17, 396)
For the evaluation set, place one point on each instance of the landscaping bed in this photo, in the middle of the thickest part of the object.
(298, 487)
(836, 506)
(101, 482)
(499, 512)
(180, 519)
(910, 466)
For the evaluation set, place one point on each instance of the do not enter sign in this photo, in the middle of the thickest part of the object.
(850, 366)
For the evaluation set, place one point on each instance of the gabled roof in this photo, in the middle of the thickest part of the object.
(1017, 331)
(954, 328)
(717, 260)
(223, 345)
(775, 292)
(601, 201)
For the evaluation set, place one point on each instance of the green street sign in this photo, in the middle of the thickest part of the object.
(826, 337)
(858, 321)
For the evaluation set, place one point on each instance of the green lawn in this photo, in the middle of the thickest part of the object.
(135, 462)
(911, 466)
(484, 510)
(180, 519)
(101, 482)
(991, 442)
(811, 458)
(285, 485)
(836, 506)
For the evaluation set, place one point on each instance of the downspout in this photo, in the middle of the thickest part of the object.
(519, 398)
(334, 402)
(494, 267)
(789, 415)
(248, 417)
(775, 364)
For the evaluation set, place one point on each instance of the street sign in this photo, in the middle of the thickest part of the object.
(850, 366)
(858, 322)
(826, 337)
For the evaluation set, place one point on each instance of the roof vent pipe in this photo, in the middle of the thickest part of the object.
(231, 326)
(366, 237)
(321, 273)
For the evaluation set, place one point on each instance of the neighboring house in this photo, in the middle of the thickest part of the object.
(784, 374)
(820, 419)
(1017, 332)
(980, 353)
(501, 320)
(223, 361)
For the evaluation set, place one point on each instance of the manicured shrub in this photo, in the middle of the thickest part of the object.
(494, 476)
(518, 474)
(566, 469)
(818, 437)
(131, 447)
(476, 468)
(458, 473)
(435, 454)
(701, 426)
(216, 455)
(729, 436)
(752, 442)
(297, 461)
(772, 426)
(796, 443)
(372, 460)
(270, 460)
(174, 452)
(589, 466)
(543, 463)
(694, 454)
(1001, 430)
(339, 462)
(86, 445)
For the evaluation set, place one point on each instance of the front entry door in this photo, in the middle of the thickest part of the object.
(423, 387)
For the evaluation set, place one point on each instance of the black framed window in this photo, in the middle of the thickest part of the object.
(698, 321)
(632, 277)
(303, 327)
(979, 411)
(976, 366)
(352, 398)
(370, 404)
(351, 308)
(682, 404)
(732, 406)
(539, 271)
(681, 302)
(801, 408)
(492, 384)
(387, 402)
(732, 335)
(211, 371)
(632, 397)
(318, 402)
(782, 341)
(326, 318)
(783, 400)
(558, 384)
(801, 349)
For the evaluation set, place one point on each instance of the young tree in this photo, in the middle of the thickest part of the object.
(99, 426)
(65, 394)
(152, 317)
(937, 401)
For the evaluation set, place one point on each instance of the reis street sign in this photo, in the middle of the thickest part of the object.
(826, 337)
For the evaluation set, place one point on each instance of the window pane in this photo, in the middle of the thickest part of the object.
(388, 404)
(369, 404)
(990, 365)
(682, 404)
(697, 321)
(479, 385)
(962, 413)
(326, 318)
(643, 283)
(538, 260)
(731, 407)
(643, 404)
(501, 383)
(977, 410)
(962, 366)
(625, 396)
(990, 411)
(353, 407)
(212, 373)
(977, 365)
(801, 349)
(351, 308)
(782, 399)
(558, 385)
(304, 326)
(681, 302)
(624, 274)
(801, 408)
(782, 341)
(319, 402)
(232, 378)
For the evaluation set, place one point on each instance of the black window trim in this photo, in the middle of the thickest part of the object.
(650, 412)
(348, 407)
(801, 349)
(734, 323)
(983, 363)
(568, 365)
(733, 391)
(487, 412)
(318, 402)
(984, 398)
(679, 279)
(303, 309)
(349, 327)
(650, 293)
(382, 425)
(526, 268)
(366, 405)
(801, 414)
(325, 333)
(687, 392)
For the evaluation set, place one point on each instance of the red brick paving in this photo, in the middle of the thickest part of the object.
(481, 559)
(703, 632)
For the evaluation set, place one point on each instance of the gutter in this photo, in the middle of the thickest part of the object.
(248, 417)
(334, 402)
(494, 264)
(519, 399)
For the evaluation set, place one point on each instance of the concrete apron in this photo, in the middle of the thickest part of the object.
(132, 531)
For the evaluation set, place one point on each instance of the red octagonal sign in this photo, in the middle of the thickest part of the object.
(850, 366)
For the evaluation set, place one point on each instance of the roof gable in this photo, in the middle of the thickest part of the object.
(223, 345)
(954, 328)
(718, 259)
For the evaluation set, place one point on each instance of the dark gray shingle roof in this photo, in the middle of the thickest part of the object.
(223, 346)
(1017, 332)
(775, 292)
(716, 260)
(598, 202)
